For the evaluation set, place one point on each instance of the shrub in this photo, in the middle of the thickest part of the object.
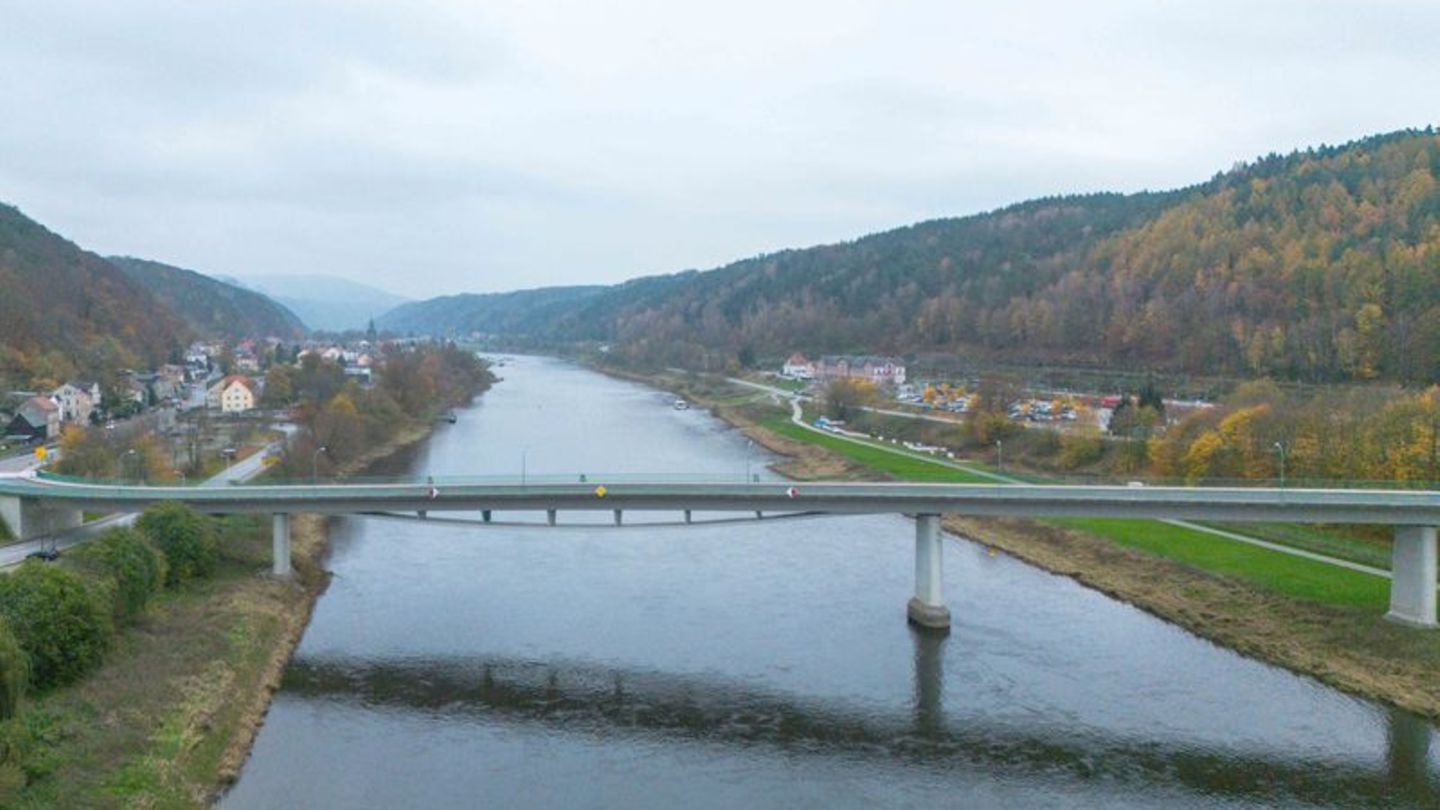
(1081, 449)
(61, 621)
(138, 570)
(186, 539)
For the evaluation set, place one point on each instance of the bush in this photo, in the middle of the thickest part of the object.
(1080, 449)
(186, 539)
(138, 570)
(61, 621)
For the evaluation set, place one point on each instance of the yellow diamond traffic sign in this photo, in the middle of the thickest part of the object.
(600, 491)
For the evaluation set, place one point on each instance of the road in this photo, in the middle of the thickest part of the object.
(798, 419)
(15, 553)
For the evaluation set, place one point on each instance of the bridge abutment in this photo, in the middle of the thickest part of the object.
(280, 545)
(926, 608)
(28, 518)
(1412, 576)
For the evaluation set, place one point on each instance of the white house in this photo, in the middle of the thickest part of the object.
(797, 367)
(76, 400)
(234, 394)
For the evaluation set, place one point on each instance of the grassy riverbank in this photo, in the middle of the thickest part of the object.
(169, 717)
(1307, 616)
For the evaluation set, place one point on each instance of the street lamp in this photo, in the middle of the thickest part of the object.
(315, 463)
(523, 452)
(1000, 455)
(120, 464)
(749, 446)
(1280, 446)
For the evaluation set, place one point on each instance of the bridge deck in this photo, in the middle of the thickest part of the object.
(1392, 507)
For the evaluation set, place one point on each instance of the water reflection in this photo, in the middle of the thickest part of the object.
(603, 701)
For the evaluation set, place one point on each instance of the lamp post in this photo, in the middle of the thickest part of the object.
(749, 446)
(1000, 455)
(1280, 446)
(315, 463)
(120, 464)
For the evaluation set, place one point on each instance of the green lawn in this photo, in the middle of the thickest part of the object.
(1282, 573)
(1327, 540)
(886, 460)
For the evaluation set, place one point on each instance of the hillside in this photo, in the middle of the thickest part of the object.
(212, 308)
(65, 311)
(1319, 265)
(325, 303)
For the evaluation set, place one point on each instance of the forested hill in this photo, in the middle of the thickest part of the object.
(65, 311)
(209, 307)
(1319, 265)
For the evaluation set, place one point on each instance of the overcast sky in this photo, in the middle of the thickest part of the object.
(438, 147)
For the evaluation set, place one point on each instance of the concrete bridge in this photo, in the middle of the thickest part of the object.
(34, 506)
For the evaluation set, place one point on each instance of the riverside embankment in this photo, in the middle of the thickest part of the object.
(169, 717)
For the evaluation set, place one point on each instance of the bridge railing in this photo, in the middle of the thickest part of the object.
(598, 478)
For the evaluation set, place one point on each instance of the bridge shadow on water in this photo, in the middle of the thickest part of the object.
(598, 700)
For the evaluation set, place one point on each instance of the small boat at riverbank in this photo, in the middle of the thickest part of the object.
(682, 405)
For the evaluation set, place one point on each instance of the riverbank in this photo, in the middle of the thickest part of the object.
(1350, 647)
(169, 719)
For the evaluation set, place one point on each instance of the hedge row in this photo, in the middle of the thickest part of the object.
(56, 622)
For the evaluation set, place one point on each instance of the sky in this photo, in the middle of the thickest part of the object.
(431, 147)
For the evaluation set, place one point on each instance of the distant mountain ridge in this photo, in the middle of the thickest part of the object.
(521, 312)
(210, 307)
(1319, 265)
(326, 303)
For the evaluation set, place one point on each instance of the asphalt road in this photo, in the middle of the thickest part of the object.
(15, 553)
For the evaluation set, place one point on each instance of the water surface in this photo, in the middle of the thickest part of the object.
(762, 665)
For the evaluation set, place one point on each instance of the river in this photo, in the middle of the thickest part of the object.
(762, 665)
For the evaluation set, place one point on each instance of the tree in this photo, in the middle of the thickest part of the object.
(61, 620)
(844, 397)
(186, 539)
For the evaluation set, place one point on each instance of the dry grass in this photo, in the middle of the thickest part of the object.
(169, 717)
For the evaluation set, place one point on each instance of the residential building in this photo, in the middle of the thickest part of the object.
(234, 394)
(37, 419)
(77, 399)
(886, 372)
(798, 368)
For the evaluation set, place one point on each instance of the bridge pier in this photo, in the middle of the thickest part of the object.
(926, 608)
(280, 545)
(1412, 576)
(619, 517)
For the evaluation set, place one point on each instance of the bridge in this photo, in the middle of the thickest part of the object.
(37, 505)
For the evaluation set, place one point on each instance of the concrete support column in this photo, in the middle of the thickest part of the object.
(927, 607)
(550, 517)
(1412, 576)
(687, 515)
(280, 545)
(619, 517)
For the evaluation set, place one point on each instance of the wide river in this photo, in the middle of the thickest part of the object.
(762, 664)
